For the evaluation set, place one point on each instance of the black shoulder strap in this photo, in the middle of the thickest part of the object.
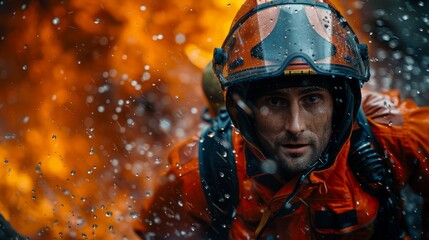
(370, 167)
(365, 157)
(219, 174)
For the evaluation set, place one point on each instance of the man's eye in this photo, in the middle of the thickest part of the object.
(313, 98)
(276, 101)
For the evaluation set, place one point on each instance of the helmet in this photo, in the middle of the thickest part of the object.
(292, 43)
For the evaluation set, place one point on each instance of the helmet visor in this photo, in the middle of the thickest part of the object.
(280, 39)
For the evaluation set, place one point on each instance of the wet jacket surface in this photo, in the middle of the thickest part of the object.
(332, 205)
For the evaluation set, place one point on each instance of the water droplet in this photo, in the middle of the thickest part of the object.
(109, 214)
(97, 21)
(307, 228)
(269, 166)
(180, 203)
(171, 177)
(54, 137)
(25, 67)
(221, 174)
(385, 37)
(73, 172)
(55, 21)
(390, 123)
(165, 124)
(180, 38)
(91, 151)
(26, 119)
(134, 214)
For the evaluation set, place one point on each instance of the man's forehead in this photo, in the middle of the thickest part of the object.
(286, 91)
(298, 89)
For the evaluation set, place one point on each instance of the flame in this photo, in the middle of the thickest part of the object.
(93, 94)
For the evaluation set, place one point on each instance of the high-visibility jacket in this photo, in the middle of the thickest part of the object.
(333, 205)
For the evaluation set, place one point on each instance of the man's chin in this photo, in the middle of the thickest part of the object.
(296, 162)
(296, 155)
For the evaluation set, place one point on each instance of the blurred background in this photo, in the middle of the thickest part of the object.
(93, 94)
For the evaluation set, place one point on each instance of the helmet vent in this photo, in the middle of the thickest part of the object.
(236, 63)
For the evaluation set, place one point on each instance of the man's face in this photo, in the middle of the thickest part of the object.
(294, 125)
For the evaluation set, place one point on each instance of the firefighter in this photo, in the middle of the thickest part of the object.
(308, 153)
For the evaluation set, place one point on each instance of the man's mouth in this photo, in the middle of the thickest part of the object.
(296, 148)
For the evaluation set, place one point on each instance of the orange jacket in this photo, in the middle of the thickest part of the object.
(332, 202)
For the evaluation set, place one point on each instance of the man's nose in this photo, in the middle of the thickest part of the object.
(295, 124)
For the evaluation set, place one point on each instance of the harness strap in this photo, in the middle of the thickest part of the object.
(372, 171)
(219, 174)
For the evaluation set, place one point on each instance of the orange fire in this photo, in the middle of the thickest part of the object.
(93, 95)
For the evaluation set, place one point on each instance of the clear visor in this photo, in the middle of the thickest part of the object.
(289, 39)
